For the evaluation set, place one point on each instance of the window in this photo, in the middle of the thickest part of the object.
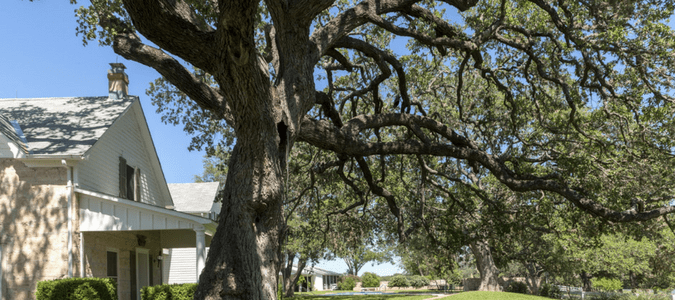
(112, 265)
(130, 186)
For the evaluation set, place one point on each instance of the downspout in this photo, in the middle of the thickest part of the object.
(76, 181)
(70, 189)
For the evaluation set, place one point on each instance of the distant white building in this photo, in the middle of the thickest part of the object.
(180, 263)
(319, 279)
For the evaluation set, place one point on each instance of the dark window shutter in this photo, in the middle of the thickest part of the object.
(130, 183)
(123, 177)
(137, 180)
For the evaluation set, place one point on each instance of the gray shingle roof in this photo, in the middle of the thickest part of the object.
(63, 126)
(315, 270)
(7, 129)
(193, 197)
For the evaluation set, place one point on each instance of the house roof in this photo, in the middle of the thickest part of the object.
(194, 197)
(8, 130)
(315, 271)
(63, 126)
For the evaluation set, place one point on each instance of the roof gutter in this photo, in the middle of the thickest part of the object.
(58, 156)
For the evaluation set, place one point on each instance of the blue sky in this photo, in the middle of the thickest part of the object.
(42, 57)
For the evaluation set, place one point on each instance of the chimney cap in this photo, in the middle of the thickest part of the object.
(117, 65)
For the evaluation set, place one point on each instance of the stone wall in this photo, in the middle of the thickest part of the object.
(33, 227)
(125, 243)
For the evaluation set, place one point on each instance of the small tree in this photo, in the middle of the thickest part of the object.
(347, 283)
(418, 281)
(370, 280)
(399, 281)
(517, 287)
(606, 284)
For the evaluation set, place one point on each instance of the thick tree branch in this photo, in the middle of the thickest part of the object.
(306, 10)
(171, 25)
(343, 24)
(384, 193)
(130, 47)
(367, 11)
(343, 141)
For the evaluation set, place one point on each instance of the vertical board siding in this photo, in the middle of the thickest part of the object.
(100, 215)
(100, 172)
(180, 266)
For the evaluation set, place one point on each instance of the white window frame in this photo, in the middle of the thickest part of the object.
(117, 278)
(138, 284)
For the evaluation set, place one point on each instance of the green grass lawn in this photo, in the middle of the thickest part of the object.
(459, 296)
(322, 296)
(494, 296)
(357, 297)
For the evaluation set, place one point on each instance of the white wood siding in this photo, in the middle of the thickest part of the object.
(180, 265)
(318, 282)
(100, 171)
(101, 215)
(9, 149)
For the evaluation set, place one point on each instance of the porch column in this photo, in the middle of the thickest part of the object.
(201, 249)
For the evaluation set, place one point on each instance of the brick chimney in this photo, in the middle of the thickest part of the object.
(118, 82)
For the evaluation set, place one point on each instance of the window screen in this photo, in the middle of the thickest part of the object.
(112, 265)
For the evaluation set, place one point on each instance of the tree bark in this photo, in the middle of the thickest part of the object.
(242, 261)
(533, 279)
(489, 273)
(586, 281)
(290, 279)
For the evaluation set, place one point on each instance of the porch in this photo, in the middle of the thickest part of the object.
(127, 240)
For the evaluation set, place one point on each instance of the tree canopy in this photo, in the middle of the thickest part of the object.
(571, 98)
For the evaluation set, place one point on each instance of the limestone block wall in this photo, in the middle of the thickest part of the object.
(125, 243)
(33, 227)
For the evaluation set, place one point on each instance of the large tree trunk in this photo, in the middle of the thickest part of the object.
(290, 279)
(244, 253)
(489, 273)
(244, 256)
(243, 261)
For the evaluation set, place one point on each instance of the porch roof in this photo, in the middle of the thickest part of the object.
(101, 212)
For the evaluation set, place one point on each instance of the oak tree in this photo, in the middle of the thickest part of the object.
(569, 97)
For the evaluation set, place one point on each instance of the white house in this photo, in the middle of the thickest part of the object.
(319, 279)
(82, 193)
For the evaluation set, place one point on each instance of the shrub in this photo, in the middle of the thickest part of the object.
(550, 291)
(606, 284)
(517, 287)
(611, 296)
(370, 280)
(399, 281)
(184, 291)
(77, 289)
(418, 281)
(347, 283)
